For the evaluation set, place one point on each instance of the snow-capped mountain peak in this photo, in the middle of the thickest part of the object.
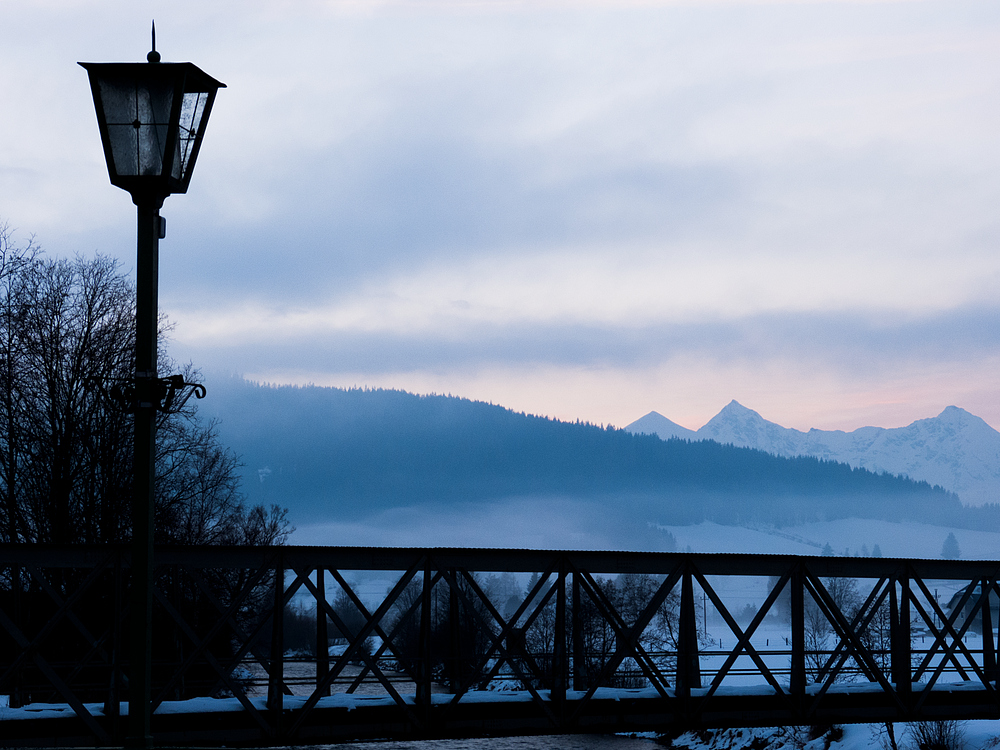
(956, 450)
(655, 423)
(744, 427)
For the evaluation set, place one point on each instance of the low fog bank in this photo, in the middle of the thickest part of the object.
(525, 522)
(565, 523)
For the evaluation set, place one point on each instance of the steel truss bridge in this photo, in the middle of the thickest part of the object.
(262, 646)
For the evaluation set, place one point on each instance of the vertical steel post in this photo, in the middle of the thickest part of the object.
(276, 677)
(112, 706)
(797, 678)
(143, 470)
(454, 638)
(688, 665)
(893, 633)
(989, 639)
(178, 640)
(559, 671)
(899, 634)
(16, 699)
(579, 644)
(423, 687)
(905, 645)
(322, 637)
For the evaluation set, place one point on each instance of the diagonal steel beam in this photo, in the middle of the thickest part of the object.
(380, 612)
(535, 695)
(742, 637)
(622, 644)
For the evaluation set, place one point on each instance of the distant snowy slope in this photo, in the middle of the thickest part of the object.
(655, 423)
(956, 450)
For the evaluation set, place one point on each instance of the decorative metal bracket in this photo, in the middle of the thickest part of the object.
(170, 393)
(175, 393)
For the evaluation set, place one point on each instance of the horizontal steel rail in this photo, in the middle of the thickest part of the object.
(293, 645)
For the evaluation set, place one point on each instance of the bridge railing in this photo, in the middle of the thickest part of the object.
(281, 630)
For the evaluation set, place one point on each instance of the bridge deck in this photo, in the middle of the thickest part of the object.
(346, 717)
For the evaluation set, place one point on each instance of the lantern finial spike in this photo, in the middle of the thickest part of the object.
(153, 55)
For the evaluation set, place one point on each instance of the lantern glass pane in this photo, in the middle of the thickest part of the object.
(137, 116)
(123, 148)
(192, 113)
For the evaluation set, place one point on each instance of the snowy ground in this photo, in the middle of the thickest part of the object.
(972, 735)
(564, 524)
(852, 536)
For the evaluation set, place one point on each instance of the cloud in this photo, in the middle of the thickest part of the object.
(430, 193)
(852, 343)
(383, 207)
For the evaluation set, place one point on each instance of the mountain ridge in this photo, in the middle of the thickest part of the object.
(955, 450)
(352, 453)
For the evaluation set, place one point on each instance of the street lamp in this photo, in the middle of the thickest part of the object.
(152, 118)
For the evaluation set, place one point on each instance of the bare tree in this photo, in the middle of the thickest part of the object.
(14, 306)
(67, 331)
(937, 735)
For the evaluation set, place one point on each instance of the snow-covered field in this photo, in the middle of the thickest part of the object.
(852, 536)
(564, 524)
(974, 735)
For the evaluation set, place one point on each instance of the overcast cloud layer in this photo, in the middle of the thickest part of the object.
(585, 210)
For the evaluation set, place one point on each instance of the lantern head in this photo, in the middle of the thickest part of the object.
(152, 118)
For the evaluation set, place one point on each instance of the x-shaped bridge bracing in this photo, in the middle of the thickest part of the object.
(288, 645)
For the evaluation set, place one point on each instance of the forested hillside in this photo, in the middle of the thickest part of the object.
(326, 451)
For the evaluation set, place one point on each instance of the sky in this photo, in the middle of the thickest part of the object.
(587, 210)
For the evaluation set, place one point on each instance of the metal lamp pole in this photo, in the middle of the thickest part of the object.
(144, 469)
(152, 118)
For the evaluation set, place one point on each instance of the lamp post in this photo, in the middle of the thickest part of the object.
(152, 118)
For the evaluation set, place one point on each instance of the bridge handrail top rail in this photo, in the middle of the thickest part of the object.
(497, 560)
